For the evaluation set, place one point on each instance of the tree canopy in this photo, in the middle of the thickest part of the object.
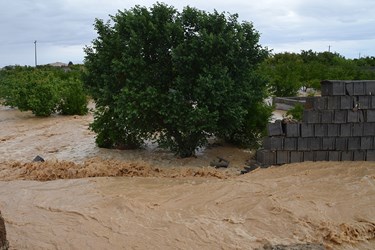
(175, 77)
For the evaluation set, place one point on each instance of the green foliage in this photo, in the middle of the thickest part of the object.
(283, 71)
(175, 78)
(296, 112)
(43, 90)
(73, 98)
(288, 72)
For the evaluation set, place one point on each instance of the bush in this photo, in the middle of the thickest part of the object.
(43, 90)
(176, 78)
(73, 98)
(296, 112)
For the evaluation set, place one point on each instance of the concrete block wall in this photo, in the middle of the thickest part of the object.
(337, 126)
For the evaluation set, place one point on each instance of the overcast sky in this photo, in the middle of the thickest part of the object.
(63, 27)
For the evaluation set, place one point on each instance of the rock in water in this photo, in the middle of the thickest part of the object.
(3, 236)
(38, 159)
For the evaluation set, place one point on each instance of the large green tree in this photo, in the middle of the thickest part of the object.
(175, 77)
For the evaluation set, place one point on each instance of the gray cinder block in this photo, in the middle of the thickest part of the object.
(357, 129)
(290, 143)
(282, 157)
(311, 116)
(329, 88)
(352, 116)
(308, 156)
(315, 143)
(346, 102)
(266, 157)
(354, 143)
(346, 129)
(368, 129)
(359, 155)
(321, 156)
(309, 104)
(370, 155)
(346, 155)
(342, 143)
(296, 156)
(273, 143)
(275, 129)
(333, 102)
(326, 116)
(316, 103)
(334, 155)
(340, 116)
(320, 103)
(303, 144)
(370, 115)
(367, 142)
(333, 129)
(349, 88)
(361, 116)
(370, 87)
(359, 88)
(320, 130)
(292, 129)
(364, 102)
(307, 130)
(328, 143)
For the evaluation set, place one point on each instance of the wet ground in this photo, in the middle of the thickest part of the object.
(84, 197)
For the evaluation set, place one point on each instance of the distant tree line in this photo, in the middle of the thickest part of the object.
(287, 72)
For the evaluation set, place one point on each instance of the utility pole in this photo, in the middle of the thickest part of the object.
(36, 62)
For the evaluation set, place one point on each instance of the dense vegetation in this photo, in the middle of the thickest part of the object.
(288, 72)
(176, 78)
(44, 90)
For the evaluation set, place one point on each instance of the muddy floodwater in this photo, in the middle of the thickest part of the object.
(83, 197)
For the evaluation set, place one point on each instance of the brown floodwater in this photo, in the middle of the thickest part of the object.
(84, 197)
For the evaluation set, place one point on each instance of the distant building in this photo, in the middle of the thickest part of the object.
(58, 64)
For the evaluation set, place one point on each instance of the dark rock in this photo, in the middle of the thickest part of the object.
(4, 245)
(38, 159)
(307, 246)
(220, 163)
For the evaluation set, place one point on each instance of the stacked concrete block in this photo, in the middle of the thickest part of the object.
(337, 126)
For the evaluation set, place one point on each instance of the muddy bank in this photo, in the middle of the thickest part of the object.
(321, 203)
(96, 167)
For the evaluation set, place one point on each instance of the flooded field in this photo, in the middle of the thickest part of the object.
(84, 197)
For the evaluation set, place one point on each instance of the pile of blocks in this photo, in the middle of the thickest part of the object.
(337, 126)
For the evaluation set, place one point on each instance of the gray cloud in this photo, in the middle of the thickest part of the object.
(62, 28)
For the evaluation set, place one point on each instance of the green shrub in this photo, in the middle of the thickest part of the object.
(43, 90)
(43, 99)
(73, 98)
(296, 112)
